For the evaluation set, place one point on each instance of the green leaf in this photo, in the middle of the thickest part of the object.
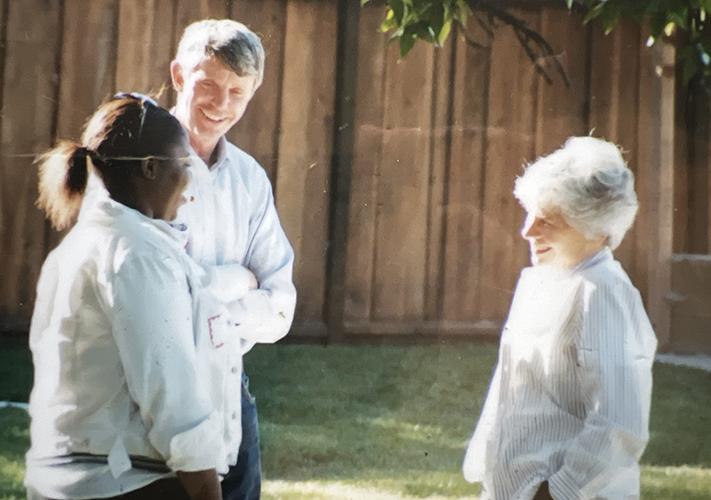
(389, 23)
(705, 58)
(462, 11)
(701, 53)
(421, 30)
(444, 33)
(436, 19)
(669, 29)
(679, 18)
(398, 9)
(596, 12)
(407, 41)
(656, 23)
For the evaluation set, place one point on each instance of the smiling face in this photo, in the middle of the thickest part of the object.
(555, 242)
(211, 100)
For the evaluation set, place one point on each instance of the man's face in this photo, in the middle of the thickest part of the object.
(211, 98)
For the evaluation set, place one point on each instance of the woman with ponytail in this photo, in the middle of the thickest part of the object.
(120, 332)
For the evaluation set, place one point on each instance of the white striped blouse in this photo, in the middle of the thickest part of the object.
(570, 397)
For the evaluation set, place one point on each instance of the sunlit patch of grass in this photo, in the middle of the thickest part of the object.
(671, 483)
(370, 490)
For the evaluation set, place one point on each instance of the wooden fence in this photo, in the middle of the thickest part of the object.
(393, 178)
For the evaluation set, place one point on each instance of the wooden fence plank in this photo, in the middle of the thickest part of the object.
(87, 69)
(462, 247)
(697, 194)
(189, 11)
(305, 145)
(613, 107)
(682, 163)
(368, 139)
(510, 142)
(401, 233)
(705, 244)
(258, 130)
(561, 108)
(656, 183)
(442, 94)
(144, 51)
(29, 105)
(5, 211)
(341, 166)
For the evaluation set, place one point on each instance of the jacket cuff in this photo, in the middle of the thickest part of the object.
(198, 448)
(562, 486)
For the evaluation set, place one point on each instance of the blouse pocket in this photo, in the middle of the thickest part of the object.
(217, 327)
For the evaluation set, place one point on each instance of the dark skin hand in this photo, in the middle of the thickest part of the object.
(201, 485)
(543, 493)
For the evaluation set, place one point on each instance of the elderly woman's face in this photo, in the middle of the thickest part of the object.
(555, 242)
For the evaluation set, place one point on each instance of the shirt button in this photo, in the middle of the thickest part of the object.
(234, 369)
(234, 415)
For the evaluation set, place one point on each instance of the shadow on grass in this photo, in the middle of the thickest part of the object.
(14, 441)
(681, 418)
(15, 369)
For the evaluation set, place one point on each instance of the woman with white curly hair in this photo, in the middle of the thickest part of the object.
(567, 412)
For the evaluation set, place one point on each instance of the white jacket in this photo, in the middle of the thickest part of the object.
(132, 354)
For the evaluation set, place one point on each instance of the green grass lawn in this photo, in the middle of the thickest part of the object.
(393, 421)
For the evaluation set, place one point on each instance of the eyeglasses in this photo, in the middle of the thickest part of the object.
(145, 101)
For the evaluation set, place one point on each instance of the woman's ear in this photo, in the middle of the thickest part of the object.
(148, 168)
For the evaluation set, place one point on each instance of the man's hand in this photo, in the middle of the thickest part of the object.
(201, 485)
(543, 493)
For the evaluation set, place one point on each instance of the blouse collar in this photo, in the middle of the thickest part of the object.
(104, 209)
(603, 255)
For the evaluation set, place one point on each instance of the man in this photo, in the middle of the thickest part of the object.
(230, 214)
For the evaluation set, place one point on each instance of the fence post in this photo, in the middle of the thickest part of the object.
(656, 179)
(347, 55)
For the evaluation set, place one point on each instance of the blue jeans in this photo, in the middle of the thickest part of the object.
(244, 480)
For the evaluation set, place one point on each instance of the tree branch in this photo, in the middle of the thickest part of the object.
(536, 47)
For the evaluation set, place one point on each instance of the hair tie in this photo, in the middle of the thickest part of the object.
(77, 173)
(90, 153)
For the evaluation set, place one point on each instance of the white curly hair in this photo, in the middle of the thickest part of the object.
(588, 181)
